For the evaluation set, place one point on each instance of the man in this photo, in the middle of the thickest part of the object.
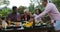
(14, 16)
(53, 12)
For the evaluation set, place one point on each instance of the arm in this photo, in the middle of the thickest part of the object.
(47, 9)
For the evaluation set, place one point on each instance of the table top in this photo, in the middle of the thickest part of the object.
(24, 28)
(21, 27)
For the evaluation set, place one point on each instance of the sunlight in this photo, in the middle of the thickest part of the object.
(19, 3)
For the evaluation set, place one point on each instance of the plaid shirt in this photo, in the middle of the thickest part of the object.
(13, 17)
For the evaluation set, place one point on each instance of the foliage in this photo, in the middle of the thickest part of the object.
(57, 3)
(31, 7)
(4, 12)
(21, 9)
(4, 2)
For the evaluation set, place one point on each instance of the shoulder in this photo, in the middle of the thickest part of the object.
(50, 4)
(10, 14)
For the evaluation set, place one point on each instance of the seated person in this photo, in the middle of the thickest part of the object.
(14, 16)
(26, 16)
(38, 11)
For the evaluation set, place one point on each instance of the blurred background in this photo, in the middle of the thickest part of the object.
(31, 5)
(6, 5)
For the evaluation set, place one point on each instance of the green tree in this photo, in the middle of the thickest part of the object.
(21, 9)
(4, 2)
(35, 4)
(57, 3)
(5, 11)
(31, 7)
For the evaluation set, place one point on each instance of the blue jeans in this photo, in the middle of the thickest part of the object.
(57, 25)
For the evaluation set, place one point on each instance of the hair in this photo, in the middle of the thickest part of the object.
(38, 10)
(44, 0)
(26, 10)
(14, 7)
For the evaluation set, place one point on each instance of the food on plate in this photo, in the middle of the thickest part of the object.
(28, 24)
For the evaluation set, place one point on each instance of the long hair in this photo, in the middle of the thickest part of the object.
(38, 11)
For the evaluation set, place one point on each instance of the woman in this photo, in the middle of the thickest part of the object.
(38, 11)
(26, 16)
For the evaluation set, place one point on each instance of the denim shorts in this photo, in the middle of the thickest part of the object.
(57, 25)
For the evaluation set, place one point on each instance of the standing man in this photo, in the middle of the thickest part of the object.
(53, 12)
